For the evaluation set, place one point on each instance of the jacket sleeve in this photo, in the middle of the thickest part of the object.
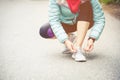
(99, 20)
(54, 14)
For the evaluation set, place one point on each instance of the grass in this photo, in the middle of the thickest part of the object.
(110, 1)
(106, 1)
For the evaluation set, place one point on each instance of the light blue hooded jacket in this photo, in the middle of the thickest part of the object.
(58, 14)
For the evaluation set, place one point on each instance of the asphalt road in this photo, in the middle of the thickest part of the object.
(24, 55)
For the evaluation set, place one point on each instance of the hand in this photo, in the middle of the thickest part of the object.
(70, 46)
(90, 45)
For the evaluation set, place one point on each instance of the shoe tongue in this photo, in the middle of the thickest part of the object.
(79, 49)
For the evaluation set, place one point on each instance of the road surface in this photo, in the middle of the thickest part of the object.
(24, 55)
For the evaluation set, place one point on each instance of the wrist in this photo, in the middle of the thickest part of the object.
(90, 38)
(66, 41)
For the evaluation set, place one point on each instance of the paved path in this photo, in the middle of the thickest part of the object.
(24, 55)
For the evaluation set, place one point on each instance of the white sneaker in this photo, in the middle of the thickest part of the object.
(78, 56)
(67, 51)
(73, 55)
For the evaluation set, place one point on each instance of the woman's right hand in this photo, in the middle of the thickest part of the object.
(70, 45)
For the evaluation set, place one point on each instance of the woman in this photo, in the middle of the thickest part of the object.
(66, 16)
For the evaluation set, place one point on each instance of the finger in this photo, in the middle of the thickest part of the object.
(87, 47)
(70, 48)
(91, 48)
(74, 48)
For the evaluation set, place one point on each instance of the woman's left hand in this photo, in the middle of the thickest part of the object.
(90, 45)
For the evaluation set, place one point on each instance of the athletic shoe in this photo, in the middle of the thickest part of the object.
(78, 56)
(67, 51)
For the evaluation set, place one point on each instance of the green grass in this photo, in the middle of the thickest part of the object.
(106, 1)
(110, 1)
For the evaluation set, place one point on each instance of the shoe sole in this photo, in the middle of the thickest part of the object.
(67, 52)
(80, 60)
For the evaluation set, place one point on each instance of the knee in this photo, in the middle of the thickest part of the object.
(45, 31)
(42, 32)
